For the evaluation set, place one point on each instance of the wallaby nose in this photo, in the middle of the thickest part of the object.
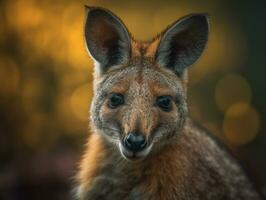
(135, 142)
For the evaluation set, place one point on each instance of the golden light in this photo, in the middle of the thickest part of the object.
(72, 30)
(64, 113)
(34, 133)
(171, 14)
(30, 92)
(80, 101)
(9, 76)
(231, 89)
(241, 124)
(54, 33)
(23, 15)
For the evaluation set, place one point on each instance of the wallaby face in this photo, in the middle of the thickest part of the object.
(140, 87)
(139, 113)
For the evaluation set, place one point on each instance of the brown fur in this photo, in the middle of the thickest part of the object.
(181, 161)
(90, 161)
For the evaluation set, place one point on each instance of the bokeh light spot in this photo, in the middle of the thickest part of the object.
(80, 100)
(9, 76)
(231, 89)
(241, 124)
(25, 14)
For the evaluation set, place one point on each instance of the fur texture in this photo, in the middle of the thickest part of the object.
(181, 160)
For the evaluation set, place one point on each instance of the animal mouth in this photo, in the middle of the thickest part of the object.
(134, 155)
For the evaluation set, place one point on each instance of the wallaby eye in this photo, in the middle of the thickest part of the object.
(164, 103)
(115, 100)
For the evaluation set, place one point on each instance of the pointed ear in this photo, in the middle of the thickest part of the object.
(183, 42)
(107, 38)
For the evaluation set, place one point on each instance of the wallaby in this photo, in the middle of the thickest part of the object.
(143, 145)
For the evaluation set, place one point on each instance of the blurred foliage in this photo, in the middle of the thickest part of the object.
(46, 77)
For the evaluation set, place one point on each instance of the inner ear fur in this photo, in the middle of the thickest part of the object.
(183, 42)
(107, 38)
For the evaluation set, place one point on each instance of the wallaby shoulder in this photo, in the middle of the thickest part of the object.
(214, 166)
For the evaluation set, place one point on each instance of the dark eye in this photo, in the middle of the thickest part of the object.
(165, 103)
(115, 100)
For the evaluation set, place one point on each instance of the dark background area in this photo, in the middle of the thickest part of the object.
(46, 74)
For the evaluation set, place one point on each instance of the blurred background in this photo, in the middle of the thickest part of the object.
(46, 75)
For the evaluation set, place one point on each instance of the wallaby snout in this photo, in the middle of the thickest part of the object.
(135, 142)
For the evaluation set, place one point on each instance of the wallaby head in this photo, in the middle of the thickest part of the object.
(139, 101)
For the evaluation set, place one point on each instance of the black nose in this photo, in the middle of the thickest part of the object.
(135, 142)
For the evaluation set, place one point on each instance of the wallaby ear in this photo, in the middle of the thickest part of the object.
(107, 38)
(183, 42)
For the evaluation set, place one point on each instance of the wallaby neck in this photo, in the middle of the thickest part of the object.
(103, 166)
(103, 160)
